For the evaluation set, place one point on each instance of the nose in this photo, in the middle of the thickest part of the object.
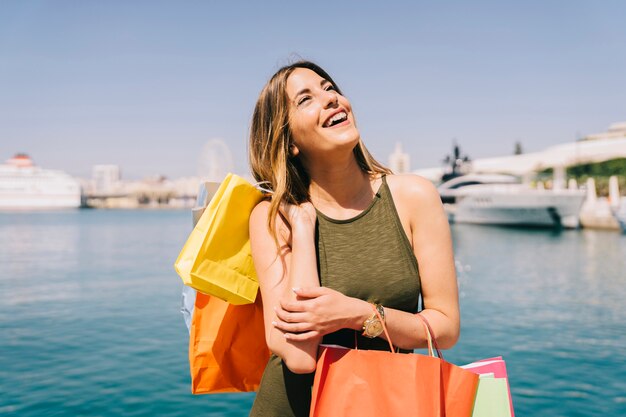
(332, 98)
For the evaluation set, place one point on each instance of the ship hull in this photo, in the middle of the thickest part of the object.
(32, 188)
(39, 202)
(516, 206)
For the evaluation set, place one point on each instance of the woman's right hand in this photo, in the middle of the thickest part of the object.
(299, 217)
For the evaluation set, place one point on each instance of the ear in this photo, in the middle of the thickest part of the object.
(293, 150)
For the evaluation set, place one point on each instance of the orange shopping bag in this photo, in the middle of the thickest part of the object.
(227, 350)
(364, 383)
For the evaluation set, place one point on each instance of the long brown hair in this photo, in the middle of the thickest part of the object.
(270, 139)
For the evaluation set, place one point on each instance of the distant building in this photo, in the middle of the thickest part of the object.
(594, 148)
(106, 189)
(615, 131)
(105, 178)
(399, 161)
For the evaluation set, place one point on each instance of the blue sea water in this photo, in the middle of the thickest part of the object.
(90, 321)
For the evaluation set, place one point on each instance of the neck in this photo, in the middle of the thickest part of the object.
(340, 184)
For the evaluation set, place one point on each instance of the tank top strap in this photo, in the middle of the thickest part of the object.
(387, 199)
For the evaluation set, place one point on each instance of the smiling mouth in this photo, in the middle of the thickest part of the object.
(337, 118)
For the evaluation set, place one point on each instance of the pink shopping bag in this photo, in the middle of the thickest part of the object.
(495, 366)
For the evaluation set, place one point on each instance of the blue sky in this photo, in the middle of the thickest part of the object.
(144, 84)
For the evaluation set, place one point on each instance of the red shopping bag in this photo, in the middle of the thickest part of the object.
(364, 383)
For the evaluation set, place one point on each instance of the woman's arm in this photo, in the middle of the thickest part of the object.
(279, 270)
(424, 220)
(318, 310)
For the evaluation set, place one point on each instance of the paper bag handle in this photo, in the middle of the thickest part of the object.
(393, 349)
(430, 335)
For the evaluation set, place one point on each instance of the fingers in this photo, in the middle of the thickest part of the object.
(301, 319)
(304, 212)
(302, 303)
(302, 337)
(310, 292)
(290, 316)
(292, 327)
(285, 208)
(288, 210)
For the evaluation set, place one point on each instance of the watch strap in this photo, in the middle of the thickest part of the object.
(391, 347)
(378, 316)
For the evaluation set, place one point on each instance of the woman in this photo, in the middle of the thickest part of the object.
(340, 236)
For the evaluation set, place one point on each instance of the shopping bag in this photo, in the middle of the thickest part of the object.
(216, 258)
(187, 304)
(493, 398)
(352, 382)
(227, 348)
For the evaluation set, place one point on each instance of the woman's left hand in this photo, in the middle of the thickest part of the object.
(315, 312)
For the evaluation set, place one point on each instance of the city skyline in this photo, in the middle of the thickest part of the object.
(144, 85)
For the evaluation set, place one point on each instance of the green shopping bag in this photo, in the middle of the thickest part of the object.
(493, 397)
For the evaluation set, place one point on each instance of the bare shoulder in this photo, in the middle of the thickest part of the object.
(259, 213)
(259, 222)
(413, 190)
(258, 219)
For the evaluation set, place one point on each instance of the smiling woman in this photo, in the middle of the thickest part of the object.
(340, 236)
(321, 119)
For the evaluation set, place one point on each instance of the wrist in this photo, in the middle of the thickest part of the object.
(374, 326)
(362, 312)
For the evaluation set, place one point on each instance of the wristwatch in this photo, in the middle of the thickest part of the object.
(373, 327)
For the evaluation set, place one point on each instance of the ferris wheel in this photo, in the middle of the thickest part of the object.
(215, 161)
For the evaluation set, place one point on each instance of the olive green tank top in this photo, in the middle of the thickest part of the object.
(368, 257)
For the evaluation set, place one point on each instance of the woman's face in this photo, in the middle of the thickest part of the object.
(320, 118)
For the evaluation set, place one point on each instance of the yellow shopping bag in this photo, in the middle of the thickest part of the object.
(216, 258)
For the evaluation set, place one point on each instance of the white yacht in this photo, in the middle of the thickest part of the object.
(504, 200)
(620, 214)
(26, 186)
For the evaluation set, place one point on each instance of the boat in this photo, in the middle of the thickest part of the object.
(620, 214)
(600, 212)
(25, 186)
(618, 203)
(503, 200)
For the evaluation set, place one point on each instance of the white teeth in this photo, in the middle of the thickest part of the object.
(339, 116)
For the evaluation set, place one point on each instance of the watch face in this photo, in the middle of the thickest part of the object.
(375, 328)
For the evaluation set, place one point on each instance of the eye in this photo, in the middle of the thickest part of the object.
(330, 87)
(303, 99)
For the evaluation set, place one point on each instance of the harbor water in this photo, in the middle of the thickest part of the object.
(90, 321)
